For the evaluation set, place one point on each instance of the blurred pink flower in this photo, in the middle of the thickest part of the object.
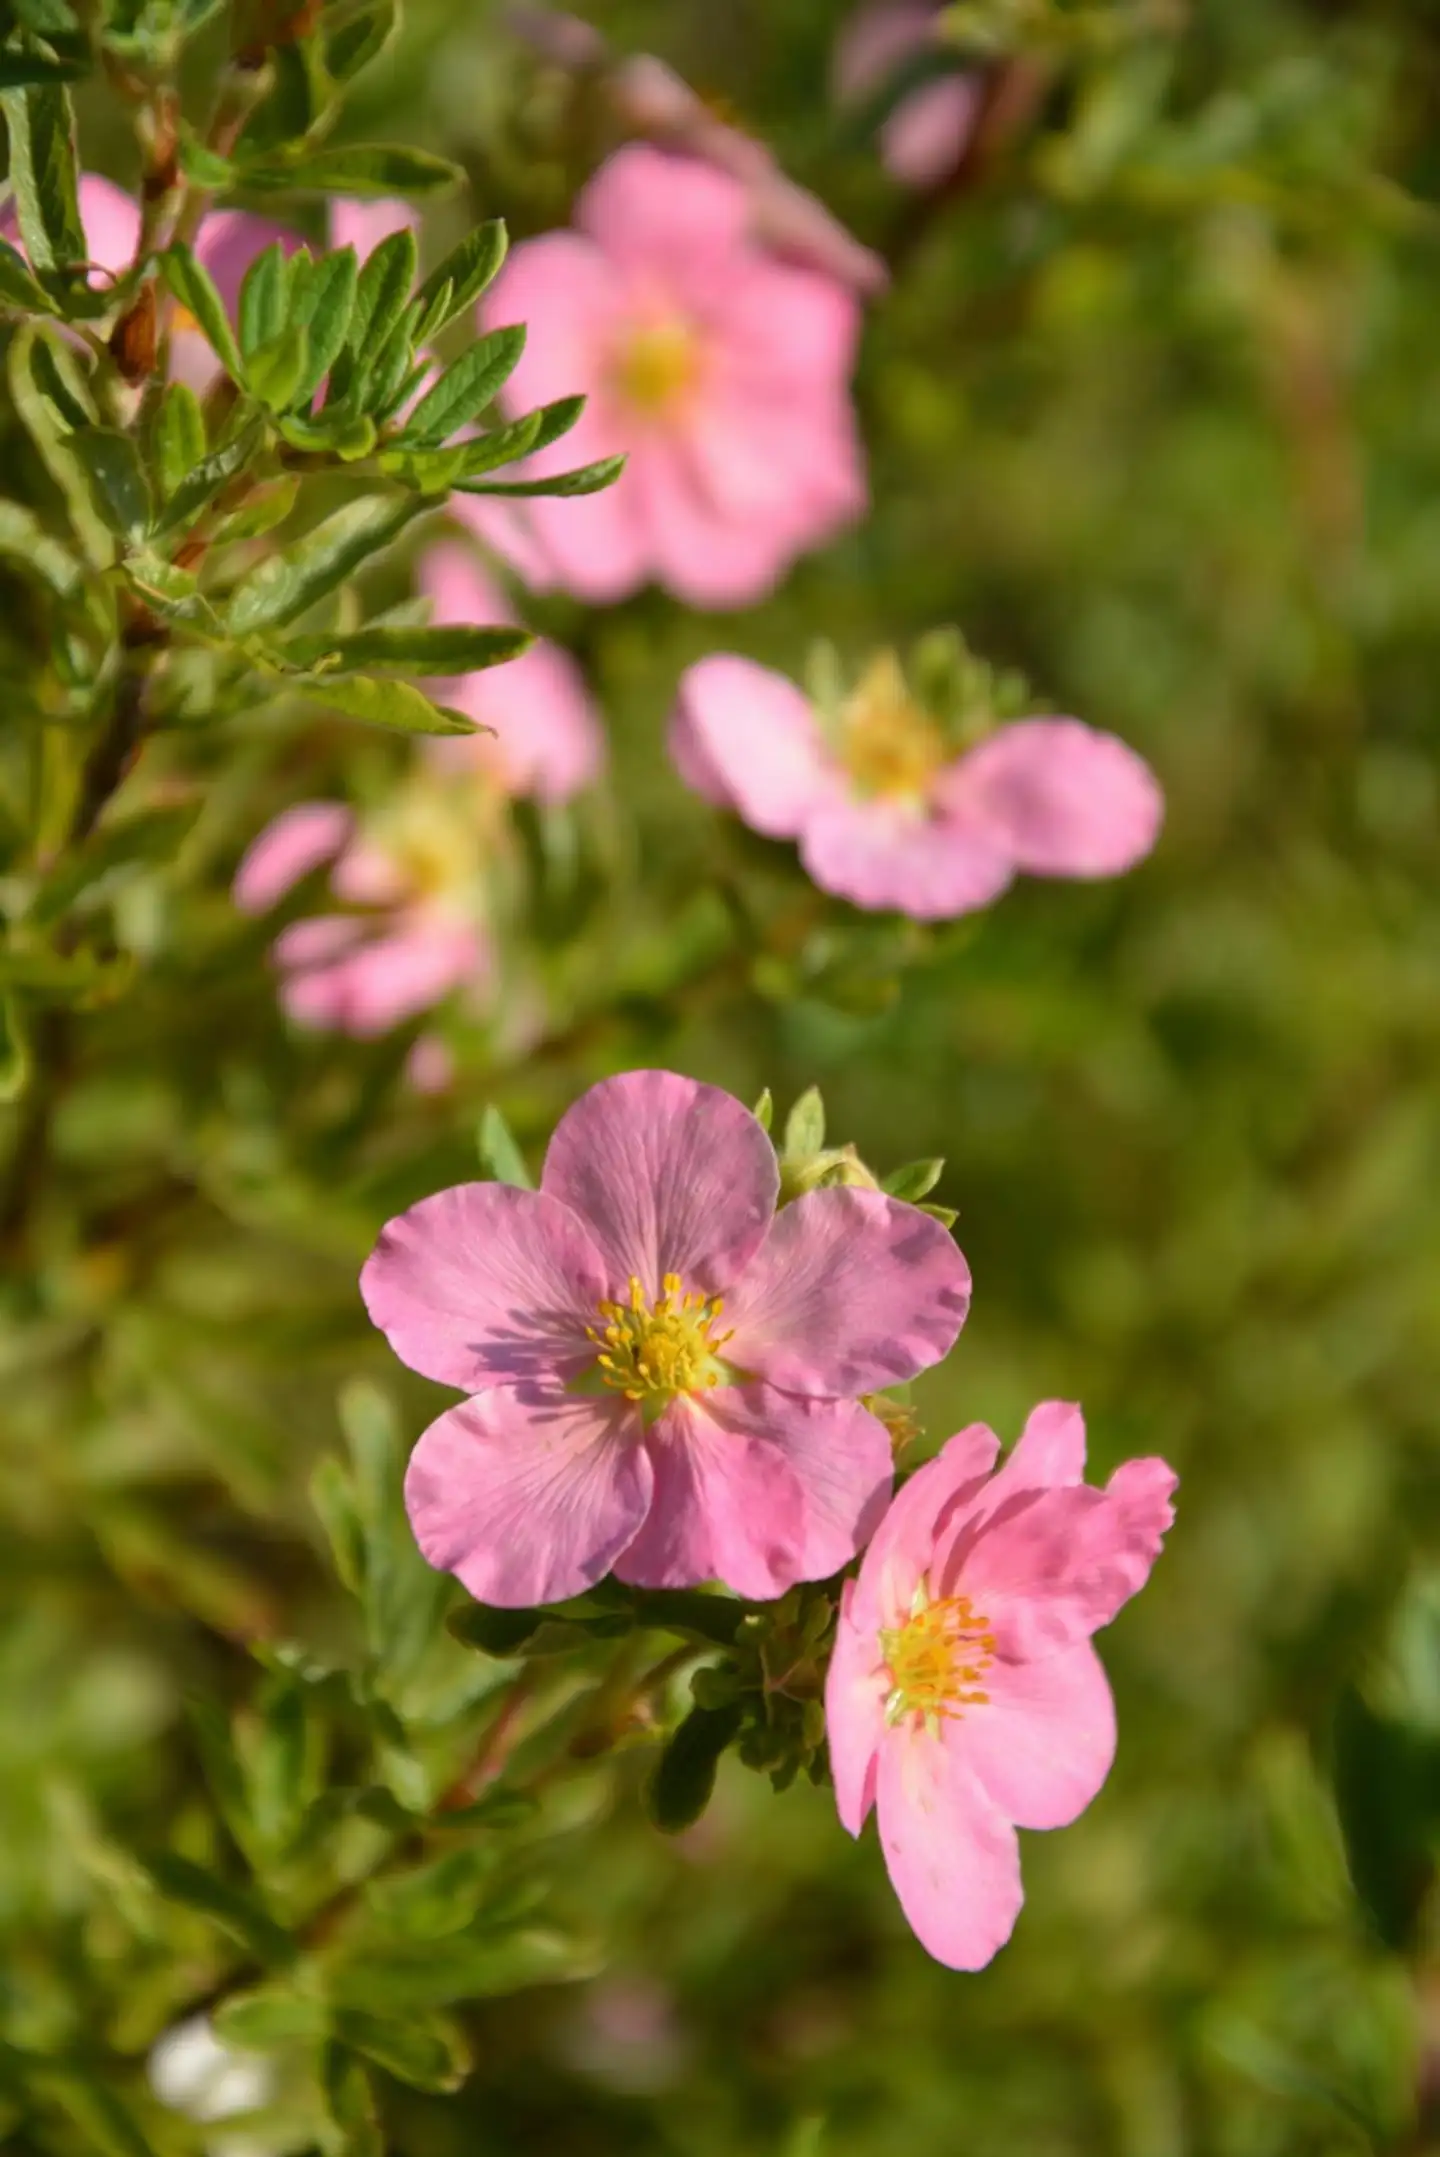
(665, 1371)
(418, 929)
(720, 371)
(924, 138)
(548, 739)
(964, 1699)
(885, 813)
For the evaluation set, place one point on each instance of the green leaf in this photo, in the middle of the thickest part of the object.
(359, 168)
(501, 1633)
(336, 433)
(260, 512)
(261, 313)
(502, 445)
(114, 851)
(805, 1125)
(15, 1062)
(333, 1496)
(764, 1110)
(282, 1764)
(499, 1152)
(467, 269)
(945, 1215)
(715, 1619)
(914, 1180)
(25, 541)
(44, 390)
(382, 294)
(395, 366)
(43, 175)
(18, 288)
(20, 69)
(271, 2018)
(360, 40)
(174, 594)
(467, 386)
(207, 475)
(96, 2110)
(329, 302)
(203, 165)
(284, 585)
(397, 705)
(194, 290)
(1387, 1792)
(429, 2056)
(111, 462)
(351, 2105)
(453, 649)
(233, 1908)
(178, 444)
(275, 371)
(59, 975)
(585, 479)
(486, 1964)
(434, 1900)
(684, 1778)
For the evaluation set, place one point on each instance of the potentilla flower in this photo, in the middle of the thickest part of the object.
(719, 370)
(924, 138)
(665, 1371)
(415, 920)
(887, 805)
(548, 740)
(964, 1699)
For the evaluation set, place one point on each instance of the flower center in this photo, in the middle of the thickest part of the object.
(888, 744)
(434, 837)
(656, 366)
(652, 1354)
(936, 1660)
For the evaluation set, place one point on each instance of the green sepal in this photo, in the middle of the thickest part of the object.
(684, 1778)
(499, 1152)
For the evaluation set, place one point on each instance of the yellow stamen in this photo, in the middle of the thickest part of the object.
(887, 742)
(656, 366)
(652, 1354)
(936, 1660)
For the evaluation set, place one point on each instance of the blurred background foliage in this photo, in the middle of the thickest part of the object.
(1149, 411)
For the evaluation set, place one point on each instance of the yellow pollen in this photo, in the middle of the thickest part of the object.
(656, 366)
(650, 1354)
(887, 743)
(936, 1660)
(182, 319)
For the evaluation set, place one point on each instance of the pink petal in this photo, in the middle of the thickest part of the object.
(562, 288)
(549, 741)
(953, 1858)
(675, 218)
(882, 854)
(857, 1685)
(288, 849)
(430, 1066)
(368, 874)
(392, 978)
(1049, 1451)
(1059, 798)
(901, 1551)
(1043, 1743)
(229, 242)
(528, 1495)
(111, 219)
(597, 544)
(850, 1291)
(709, 555)
(363, 225)
(925, 137)
(459, 588)
(728, 1506)
(755, 732)
(483, 1284)
(875, 43)
(1053, 1567)
(508, 529)
(669, 1176)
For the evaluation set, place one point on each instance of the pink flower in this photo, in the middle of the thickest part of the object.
(548, 739)
(964, 1699)
(885, 813)
(719, 370)
(924, 138)
(665, 1371)
(417, 930)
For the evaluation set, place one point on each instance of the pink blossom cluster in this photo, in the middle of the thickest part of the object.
(670, 1380)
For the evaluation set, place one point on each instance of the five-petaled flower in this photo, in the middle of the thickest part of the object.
(720, 370)
(964, 1698)
(666, 1373)
(890, 813)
